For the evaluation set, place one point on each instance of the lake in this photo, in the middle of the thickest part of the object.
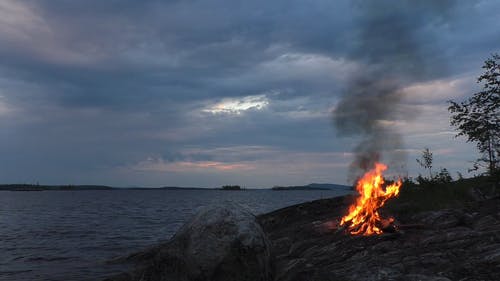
(69, 235)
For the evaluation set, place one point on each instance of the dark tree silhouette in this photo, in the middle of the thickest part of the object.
(478, 118)
(231, 187)
(426, 161)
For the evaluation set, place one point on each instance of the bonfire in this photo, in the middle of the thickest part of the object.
(363, 217)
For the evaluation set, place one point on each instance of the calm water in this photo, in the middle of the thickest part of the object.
(68, 235)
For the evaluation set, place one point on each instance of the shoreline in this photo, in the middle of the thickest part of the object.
(22, 187)
(306, 244)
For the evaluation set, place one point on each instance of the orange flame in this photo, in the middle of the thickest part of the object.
(363, 217)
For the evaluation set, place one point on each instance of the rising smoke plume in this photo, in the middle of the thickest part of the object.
(389, 46)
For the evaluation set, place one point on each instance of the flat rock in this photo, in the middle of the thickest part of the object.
(453, 244)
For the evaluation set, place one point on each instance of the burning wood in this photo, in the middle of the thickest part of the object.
(363, 217)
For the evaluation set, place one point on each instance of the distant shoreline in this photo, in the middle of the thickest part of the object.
(33, 187)
(36, 187)
(313, 186)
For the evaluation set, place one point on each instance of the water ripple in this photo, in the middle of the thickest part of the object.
(56, 235)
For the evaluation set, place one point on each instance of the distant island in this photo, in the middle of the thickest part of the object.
(313, 186)
(38, 187)
(172, 188)
(231, 187)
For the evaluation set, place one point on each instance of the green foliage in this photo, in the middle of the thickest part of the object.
(432, 195)
(426, 161)
(423, 180)
(478, 118)
(443, 177)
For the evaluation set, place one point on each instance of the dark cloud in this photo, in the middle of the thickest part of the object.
(87, 87)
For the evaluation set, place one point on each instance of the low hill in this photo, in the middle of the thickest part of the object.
(313, 186)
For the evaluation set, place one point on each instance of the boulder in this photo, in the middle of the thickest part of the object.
(221, 243)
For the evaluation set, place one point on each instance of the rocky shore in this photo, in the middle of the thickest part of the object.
(303, 242)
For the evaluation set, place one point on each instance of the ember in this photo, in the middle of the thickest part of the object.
(363, 217)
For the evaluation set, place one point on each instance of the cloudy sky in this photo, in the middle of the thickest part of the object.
(205, 93)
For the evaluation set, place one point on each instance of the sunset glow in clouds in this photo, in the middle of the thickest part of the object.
(237, 106)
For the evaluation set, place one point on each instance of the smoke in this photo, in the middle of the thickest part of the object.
(389, 46)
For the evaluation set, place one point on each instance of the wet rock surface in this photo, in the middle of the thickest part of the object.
(454, 244)
(303, 243)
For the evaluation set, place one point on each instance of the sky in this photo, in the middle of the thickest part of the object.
(207, 93)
